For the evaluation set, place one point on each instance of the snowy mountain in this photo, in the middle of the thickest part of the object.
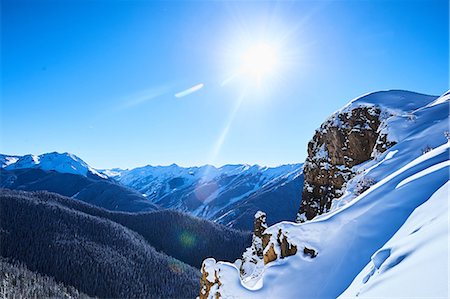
(6, 160)
(387, 239)
(68, 175)
(229, 195)
(62, 163)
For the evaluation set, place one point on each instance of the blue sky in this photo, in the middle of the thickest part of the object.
(99, 78)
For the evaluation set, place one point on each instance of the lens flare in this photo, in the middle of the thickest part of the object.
(205, 192)
(187, 239)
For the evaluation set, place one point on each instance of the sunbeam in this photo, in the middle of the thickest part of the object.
(223, 135)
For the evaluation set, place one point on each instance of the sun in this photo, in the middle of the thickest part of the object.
(259, 61)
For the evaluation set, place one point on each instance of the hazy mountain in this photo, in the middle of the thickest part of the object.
(91, 189)
(230, 194)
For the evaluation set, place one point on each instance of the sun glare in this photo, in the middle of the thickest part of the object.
(258, 61)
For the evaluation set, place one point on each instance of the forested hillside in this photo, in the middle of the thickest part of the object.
(110, 254)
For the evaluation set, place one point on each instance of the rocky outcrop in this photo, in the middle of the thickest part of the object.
(209, 281)
(308, 251)
(265, 248)
(285, 248)
(252, 259)
(348, 138)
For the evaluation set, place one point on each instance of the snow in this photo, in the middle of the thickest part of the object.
(259, 214)
(63, 163)
(112, 173)
(389, 241)
(6, 160)
(442, 99)
(421, 243)
(322, 153)
(423, 173)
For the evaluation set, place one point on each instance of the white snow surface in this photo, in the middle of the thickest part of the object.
(389, 241)
(6, 160)
(442, 99)
(59, 162)
(414, 262)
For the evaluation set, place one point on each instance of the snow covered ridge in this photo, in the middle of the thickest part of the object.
(59, 162)
(389, 239)
(210, 192)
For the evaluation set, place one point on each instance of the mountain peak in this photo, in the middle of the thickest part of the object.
(54, 161)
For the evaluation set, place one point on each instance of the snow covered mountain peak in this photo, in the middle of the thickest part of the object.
(54, 161)
(6, 160)
(401, 100)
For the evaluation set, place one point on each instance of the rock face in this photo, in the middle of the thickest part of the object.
(253, 257)
(348, 138)
(285, 248)
(209, 282)
(265, 248)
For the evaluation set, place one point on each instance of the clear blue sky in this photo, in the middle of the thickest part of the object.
(98, 78)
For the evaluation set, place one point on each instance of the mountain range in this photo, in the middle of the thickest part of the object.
(229, 195)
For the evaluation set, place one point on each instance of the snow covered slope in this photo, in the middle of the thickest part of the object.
(63, 163)
(6, 160)
(421, 243)
(389, 241)
(218, 194)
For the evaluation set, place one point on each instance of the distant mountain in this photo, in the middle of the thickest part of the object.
(111, 254)
(62, 163)
(91, 189)
(229, 195)
(219, 194)
(279, 198)
(6, 160)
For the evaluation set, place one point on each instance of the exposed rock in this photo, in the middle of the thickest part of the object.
(209, 281)
(270, 255)
(253, 256)
(285, 248)
(264, 249)
(260, 224)
(311, 252)
(346, 139)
